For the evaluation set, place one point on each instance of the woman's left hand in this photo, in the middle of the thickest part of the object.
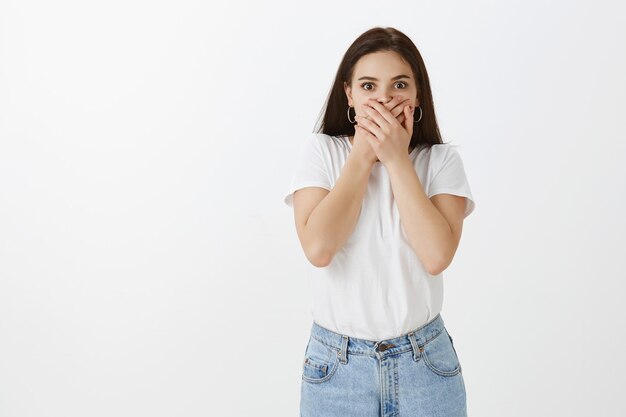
(388, 137)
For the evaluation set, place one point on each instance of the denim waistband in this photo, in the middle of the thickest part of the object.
(353, 345)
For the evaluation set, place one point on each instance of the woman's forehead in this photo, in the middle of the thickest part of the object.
(381, 65)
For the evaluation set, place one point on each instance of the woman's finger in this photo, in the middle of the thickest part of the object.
(370, 126)
(384, 115)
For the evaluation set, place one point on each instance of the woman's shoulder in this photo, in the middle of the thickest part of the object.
(330, 139)
(442, 151)
(436, 155)
(328, 142)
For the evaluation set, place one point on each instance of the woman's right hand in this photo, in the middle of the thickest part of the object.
(362, 149)
(360, 146)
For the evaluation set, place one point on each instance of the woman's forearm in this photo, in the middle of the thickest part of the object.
(333, 220)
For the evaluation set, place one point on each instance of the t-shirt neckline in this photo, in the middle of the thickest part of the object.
(377, 162)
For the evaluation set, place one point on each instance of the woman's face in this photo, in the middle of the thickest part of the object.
(382, 76)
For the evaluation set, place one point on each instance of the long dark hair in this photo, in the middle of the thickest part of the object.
(335, 120)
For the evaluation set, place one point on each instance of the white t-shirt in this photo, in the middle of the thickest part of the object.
(376, 287)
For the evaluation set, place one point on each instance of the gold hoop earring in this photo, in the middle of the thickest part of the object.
(351, 121)
(419, 107)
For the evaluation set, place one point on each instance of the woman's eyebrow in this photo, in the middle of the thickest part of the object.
(397, 77)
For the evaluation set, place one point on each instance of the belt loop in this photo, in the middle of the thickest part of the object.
(343, 352)
(417, 350)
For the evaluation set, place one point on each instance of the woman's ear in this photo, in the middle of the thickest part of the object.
(348, 91)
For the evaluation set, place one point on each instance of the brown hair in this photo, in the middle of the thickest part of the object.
(335, 120)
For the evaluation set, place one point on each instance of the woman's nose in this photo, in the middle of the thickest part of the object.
(385, 98)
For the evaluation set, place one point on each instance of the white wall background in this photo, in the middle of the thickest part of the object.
(148, 265)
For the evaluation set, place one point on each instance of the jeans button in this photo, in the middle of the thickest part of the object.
(384, 346)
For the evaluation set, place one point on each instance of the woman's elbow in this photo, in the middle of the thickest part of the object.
(318, 257)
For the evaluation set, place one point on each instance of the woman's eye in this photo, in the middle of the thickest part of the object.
(366, 84)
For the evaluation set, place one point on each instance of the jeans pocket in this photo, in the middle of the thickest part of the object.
(320, 362)
(440, 355)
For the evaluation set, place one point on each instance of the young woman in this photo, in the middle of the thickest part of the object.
(379, 202)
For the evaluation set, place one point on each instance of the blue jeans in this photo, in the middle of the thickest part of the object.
(414, 375)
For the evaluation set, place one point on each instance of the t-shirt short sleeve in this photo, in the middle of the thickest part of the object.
(311, 168)
(449, 177)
